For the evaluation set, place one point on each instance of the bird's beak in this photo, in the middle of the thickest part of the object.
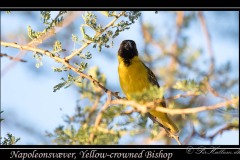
(128, 45)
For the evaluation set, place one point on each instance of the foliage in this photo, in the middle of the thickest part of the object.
(10, 139)
(191, 86)
(149, 94)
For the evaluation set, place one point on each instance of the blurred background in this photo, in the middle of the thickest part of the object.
(197, 39)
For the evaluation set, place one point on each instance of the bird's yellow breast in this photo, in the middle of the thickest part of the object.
(133, 78)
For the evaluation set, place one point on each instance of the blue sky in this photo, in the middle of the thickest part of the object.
(27, 97)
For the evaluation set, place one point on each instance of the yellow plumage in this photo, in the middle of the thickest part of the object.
(134, 79)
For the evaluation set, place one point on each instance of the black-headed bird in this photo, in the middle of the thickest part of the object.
(135, 77)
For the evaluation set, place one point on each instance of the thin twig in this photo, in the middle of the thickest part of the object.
(169, 133)
(10, 65)
(99, 116)
(208, 39)
(220, 131)
(177, 139)
(96, 36)
(105, 106)
(94, 107)
(147, 38)
(204, 136)
(12, 58)
(174, 47)
(187, 139)
(188, 94)
(213, 91)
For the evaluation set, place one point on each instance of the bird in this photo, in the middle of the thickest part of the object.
(135, 78)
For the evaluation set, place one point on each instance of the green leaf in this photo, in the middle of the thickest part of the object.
(59, 86)
(9, 140)
(57, 47)
(190, 85)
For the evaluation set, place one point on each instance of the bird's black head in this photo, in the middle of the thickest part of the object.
(127, 50)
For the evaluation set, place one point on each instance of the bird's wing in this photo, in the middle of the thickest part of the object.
(153, 80)
(151, 77)
(170, 128)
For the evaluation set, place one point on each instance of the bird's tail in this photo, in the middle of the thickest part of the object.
(165, 121)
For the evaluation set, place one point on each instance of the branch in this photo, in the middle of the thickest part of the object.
(213, 91)
(93, 108)
(208, 39)
(211, 137)
(150, 105)
(187, 139)
(9, 65)
(220, 131)
(96, 36)
(174, 47)
(60, 60)
(177, 139)
(99, 116)
(12, 58)
(179, 96)
(143, 110)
